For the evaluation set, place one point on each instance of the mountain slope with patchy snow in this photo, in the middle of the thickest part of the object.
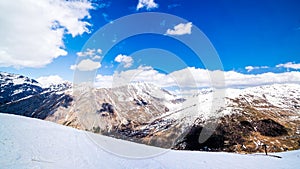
(145, 113)
(32, 143)
(251, 117)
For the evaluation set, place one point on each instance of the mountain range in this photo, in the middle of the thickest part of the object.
(237, 120)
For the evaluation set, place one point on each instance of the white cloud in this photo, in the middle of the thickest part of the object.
(148, 4)
(86, 65)
(181, 29)
(46, 81)
(289, 65)
(251, 68)
(99, 51)
(237, 79)
(88, 52)
(195, 77)
(127, 61)
(104, 81)
(92, 53)
(32, 31)
(103, 5)
(96, 57)
(141, 74)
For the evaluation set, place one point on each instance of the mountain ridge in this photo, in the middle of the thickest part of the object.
(147, 114)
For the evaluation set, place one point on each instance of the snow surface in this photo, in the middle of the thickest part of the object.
(32, 143)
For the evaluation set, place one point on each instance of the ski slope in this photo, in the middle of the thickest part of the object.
(32, 143)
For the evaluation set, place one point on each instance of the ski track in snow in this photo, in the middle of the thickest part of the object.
(31, 143)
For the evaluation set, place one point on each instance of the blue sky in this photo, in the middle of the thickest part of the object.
(261, 34)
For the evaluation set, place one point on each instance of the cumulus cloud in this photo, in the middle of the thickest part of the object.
(46, 81)
(148, 4)
(251, 68)
(127, 61)
(197, 78)
(181, 29)
(289, 65)
(86, 65)
(32, 31)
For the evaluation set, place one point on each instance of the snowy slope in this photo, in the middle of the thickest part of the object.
(32, 143)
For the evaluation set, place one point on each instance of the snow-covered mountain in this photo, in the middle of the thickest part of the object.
(118, 112)
(250, 118)
(48, 145)
(144, 113)
(247, 118)
(24, 96)
(14, 87)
